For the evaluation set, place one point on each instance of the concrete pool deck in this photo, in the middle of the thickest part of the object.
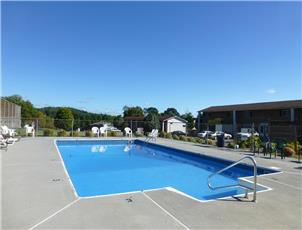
(36, 193)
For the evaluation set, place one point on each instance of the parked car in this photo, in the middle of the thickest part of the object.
(226, 135)
(246, 133)
(206, 133)
(178, 133)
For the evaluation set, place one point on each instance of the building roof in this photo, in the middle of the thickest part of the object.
(256, 106)
(175, 117)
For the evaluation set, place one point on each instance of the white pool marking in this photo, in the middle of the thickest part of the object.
(62, 161)
(165, 211)
(52, 215)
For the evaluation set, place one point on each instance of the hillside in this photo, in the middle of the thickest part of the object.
(77, 114)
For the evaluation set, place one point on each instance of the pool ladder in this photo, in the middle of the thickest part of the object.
(237, 185)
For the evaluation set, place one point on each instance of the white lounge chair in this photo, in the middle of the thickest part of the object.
(7, 131)
(153, 135)
(29, 130)
(3, 143)
(8, 140)
(95, 131)
(103, 131)
(128, 132)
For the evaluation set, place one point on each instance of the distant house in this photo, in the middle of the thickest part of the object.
(274, 118)
(10, 114)
(174, 123)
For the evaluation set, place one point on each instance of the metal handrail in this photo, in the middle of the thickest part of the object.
(237, 185)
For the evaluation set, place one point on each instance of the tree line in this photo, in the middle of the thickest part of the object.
(65, 117)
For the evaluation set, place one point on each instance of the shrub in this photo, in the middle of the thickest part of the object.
(111, 134)
(183, 138)
(210, 142)
(21, 132)
(249, 142)
(75, 133)
(48, 132)
(288, 151)
(168, 135)
(273, 147)
(189, 139)
(175, 137)
(242, 145)
(62, 133)
(198, 140)
(292, 145)
(162, 134)
(88, 133)
(231, 145)
(194, 140)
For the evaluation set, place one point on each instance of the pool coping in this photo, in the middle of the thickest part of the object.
(171, 189)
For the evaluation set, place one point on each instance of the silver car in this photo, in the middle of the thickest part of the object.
(226, 135)
(206, 133)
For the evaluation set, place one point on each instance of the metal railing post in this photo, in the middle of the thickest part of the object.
(236, 185)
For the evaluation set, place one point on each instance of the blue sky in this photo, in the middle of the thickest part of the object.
(100, 56)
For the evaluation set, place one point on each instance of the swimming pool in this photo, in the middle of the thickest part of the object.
(103, 167)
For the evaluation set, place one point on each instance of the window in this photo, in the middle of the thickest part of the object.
(284, 113)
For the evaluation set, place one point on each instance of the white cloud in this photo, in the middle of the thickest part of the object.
(271, 91)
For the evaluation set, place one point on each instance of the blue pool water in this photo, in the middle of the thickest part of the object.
(110, 167)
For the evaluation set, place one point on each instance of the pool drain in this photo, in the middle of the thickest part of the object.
(129, 200)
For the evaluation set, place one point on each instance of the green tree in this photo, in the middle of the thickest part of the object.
(190, 119)
(133, 111)
(63, 119)
(151, 118)
(171, 112)
(119, 122)
(149, 110)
